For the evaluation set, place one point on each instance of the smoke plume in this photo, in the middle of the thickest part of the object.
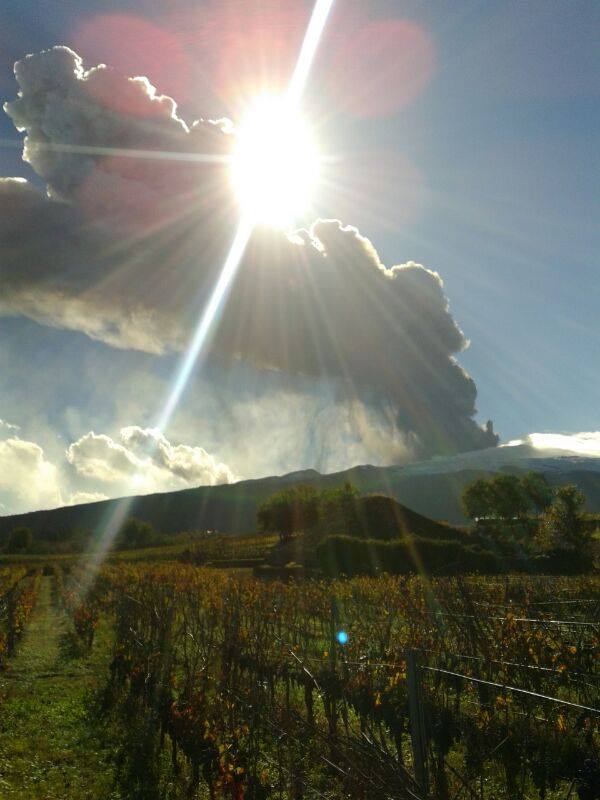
(126, 248)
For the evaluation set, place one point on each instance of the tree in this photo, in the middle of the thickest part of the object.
(477, 500)
(509, 499)
(289, 511)
(135, 533)
(538, 490)
(500, 498)
(338, 511)
(563, 523)
(20, 540)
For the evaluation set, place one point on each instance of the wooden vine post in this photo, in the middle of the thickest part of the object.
(416, 711)
(333, 626)
(334, 618)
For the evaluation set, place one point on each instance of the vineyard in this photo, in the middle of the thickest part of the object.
(367, 688)
(18, 590)
(217, 685)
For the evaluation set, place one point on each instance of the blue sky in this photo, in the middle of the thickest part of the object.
(497, 193)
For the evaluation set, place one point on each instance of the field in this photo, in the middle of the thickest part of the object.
(205, 548)
(162, 680)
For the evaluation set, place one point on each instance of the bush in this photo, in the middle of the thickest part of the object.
(135, 534)
(563, 524)
(301, 549)
(350, 556)
(562, 561)
(289, 511)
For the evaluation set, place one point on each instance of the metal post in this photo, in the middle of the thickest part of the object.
(416, 713)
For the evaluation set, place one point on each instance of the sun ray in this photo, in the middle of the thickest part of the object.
(125, 152)
(218, 296)
(207, 320)
(294, 93)
(312, 37)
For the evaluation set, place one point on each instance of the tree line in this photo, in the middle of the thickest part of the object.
(520, 523)
(133, 534)
(511, 505)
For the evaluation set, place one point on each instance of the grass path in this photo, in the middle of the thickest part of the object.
(50, 744)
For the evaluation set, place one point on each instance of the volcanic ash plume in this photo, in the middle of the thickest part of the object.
(126, 249)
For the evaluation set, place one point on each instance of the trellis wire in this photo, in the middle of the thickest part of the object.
(506, 687)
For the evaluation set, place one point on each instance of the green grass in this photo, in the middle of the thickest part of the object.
(52, 745)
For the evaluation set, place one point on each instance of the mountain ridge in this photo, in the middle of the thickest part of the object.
(431, 488)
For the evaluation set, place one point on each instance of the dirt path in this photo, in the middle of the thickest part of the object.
(50, 747)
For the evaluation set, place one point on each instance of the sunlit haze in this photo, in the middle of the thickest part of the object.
(584, 444)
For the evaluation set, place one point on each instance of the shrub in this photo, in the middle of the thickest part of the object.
(289, 511)
(350, 556)
(563, 524)
(136, 533)
(562, 561)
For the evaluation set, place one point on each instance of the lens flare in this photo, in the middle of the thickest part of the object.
(342, 637)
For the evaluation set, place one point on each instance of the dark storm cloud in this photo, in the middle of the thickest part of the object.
(127, 249)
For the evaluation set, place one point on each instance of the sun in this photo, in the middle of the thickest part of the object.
(275, 167)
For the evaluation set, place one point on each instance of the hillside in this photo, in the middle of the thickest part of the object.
(432, 489)
(378, 516)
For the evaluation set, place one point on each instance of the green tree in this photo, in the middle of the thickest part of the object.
(563, 523)
(338, 512)
(538, 490)
(477, 500)
(19, 540)
(289, 511)
(135, 533)
(510, 501)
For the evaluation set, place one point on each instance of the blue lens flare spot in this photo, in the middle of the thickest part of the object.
(342, 637)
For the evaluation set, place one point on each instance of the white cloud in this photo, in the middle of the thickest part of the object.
(86, 497)
(585, 443)
(97, 456)
(7, 428)
(144, 461)
(27, 479)
(192, 464)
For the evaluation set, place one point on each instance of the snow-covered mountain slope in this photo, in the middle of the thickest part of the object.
(522, 456)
